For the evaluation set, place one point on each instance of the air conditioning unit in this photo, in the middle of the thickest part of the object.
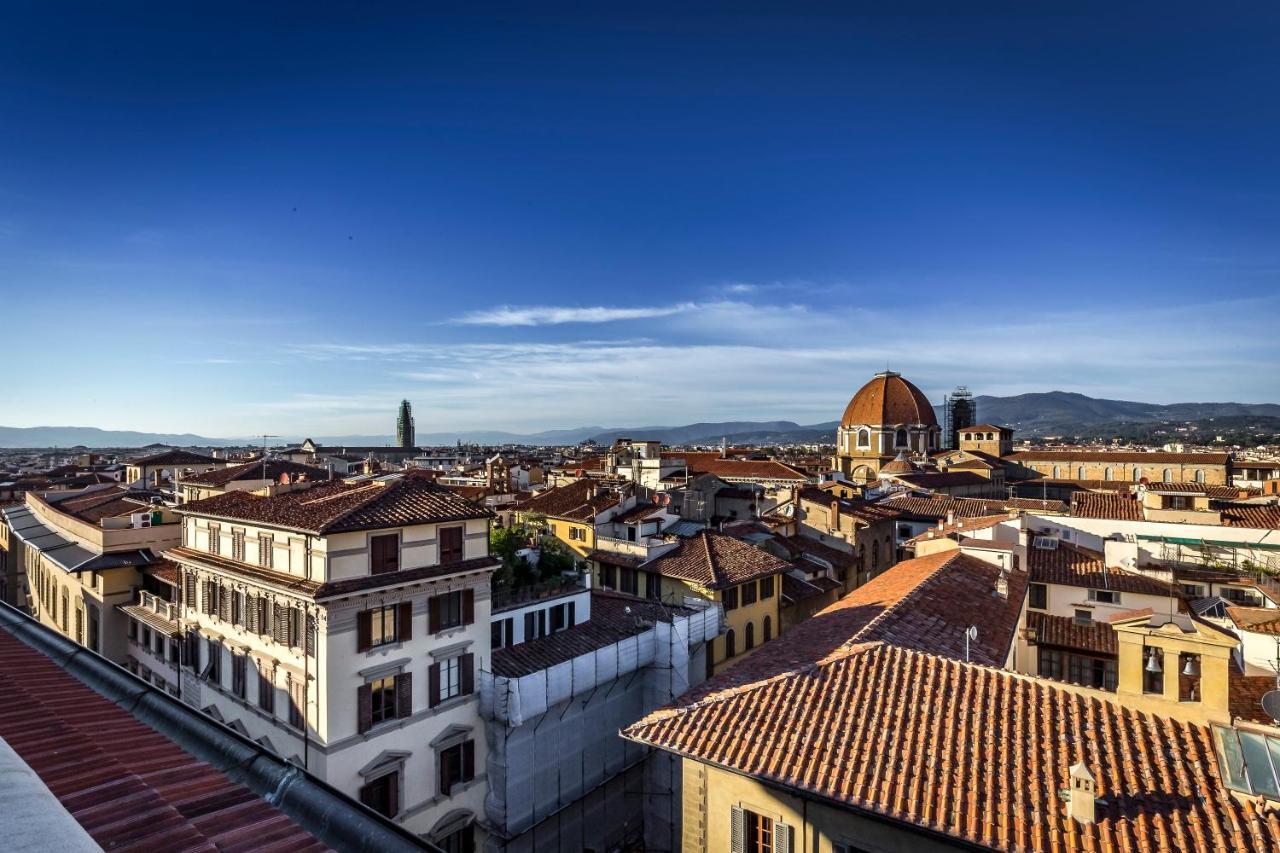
(1045, 543)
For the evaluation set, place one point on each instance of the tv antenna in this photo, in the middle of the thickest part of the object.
(970, 634)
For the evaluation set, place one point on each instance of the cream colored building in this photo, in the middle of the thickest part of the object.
(344, 626)
(83, 555)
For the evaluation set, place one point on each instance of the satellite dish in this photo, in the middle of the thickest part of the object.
(973, 635)
(1271, 704)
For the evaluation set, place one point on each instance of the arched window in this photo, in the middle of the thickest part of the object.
(768, 629)
(875, 556)
(1080, 473)
(1199, 475)
(990, 436)
(900, 438)
(864, 438)
(730, 644)
(1167, 476)
(751, 636)
(1137, 475)
(1057, 472)
(1106, 473)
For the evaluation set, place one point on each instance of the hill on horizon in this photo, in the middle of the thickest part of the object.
(1033, 414)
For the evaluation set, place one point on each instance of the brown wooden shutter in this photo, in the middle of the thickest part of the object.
(310, 628)
(433, 685)
(364, 631)
(433, 612)
(467, 674)
(393, 793)
(404, 694)
(404, 621)
(450, 544)
(468, 760)
(364, 708)
(224, 603)
(279, 624)
(251, 613)
(468, 606)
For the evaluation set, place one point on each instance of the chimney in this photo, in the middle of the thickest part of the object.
(1002, 584)
(951, 516)
(1083, 794)
(835, 515)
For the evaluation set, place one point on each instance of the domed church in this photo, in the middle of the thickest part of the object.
(887, 417)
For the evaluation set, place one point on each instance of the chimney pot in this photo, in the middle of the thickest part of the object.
(1084, 791)
(951, 517)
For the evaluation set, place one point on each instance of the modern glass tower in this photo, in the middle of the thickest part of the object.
(404, 425)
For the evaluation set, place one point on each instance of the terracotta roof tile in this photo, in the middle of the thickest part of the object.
(714, 560)
(1069, 565)
(275, 468)
(1256, 620)
(971, 752)
(1065, 632)
(736, 469)
(1259, 517)
(129, 786)
(1115, 507)
(581, 500)
(925, 603)
(337, 507)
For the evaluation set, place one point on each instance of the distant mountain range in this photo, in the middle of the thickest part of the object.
(1039, 414)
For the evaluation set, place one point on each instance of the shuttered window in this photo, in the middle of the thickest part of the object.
(457, 765)
(383, 794)
(756, 833)
(384, 554)
(383, 699)
(450, 544)
(451, 610)
(239, 667)
(266, 689)
(266, 550)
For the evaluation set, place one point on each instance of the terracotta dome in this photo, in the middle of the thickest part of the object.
(886, 400)
(900, 465)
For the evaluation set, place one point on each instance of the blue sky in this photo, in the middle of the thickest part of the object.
(276, 218)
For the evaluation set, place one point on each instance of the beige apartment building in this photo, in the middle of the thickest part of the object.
(343, 626)
(80, 556)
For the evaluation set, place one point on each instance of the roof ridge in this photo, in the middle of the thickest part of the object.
(711, 563)
(376, 491)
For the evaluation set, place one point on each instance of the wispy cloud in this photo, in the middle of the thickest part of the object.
(554, 315)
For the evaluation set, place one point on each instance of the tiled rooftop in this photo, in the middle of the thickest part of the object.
(1115, 507)
(581, 500)
(926, 604)
(337, 507)
(740, 469)
(715, 561)
(1257, 620)
(130, 787)
(1065, 632)
(975, 753)
(1070, 565)
(174, 457)
(274, 469)
(1259, 517)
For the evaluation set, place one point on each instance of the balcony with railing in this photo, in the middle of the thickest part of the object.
(509, 598)
(166, 610)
